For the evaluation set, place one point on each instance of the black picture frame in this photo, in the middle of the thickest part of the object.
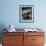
(26, 13)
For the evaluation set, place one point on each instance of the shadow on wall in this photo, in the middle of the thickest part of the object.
(2, 26)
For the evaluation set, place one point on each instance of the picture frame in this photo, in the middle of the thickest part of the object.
(26, 13)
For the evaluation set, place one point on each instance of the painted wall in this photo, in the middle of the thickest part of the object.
(10, 13)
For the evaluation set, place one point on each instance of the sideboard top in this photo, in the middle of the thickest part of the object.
(22, 30)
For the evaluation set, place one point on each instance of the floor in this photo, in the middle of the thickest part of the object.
(0, 44)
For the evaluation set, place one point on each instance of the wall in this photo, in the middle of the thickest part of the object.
(9, 13)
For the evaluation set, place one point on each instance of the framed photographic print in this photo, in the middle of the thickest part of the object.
(26, 13)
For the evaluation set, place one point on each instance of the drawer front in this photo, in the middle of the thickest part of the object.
(37, 44)
(37, 39)
(13, 33)
(12, 39)
(34, 33)
(12, 44)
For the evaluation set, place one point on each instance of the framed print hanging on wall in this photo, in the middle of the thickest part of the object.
(26, 13)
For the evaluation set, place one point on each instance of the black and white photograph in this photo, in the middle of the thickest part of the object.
(26, 13)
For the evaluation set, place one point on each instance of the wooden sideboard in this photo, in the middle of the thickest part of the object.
(23, 38)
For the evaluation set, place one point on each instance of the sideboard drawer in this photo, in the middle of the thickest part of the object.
(33, 33)
(13, 33)
(37, 39)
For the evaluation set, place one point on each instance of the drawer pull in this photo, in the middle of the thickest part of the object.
(33, 39)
